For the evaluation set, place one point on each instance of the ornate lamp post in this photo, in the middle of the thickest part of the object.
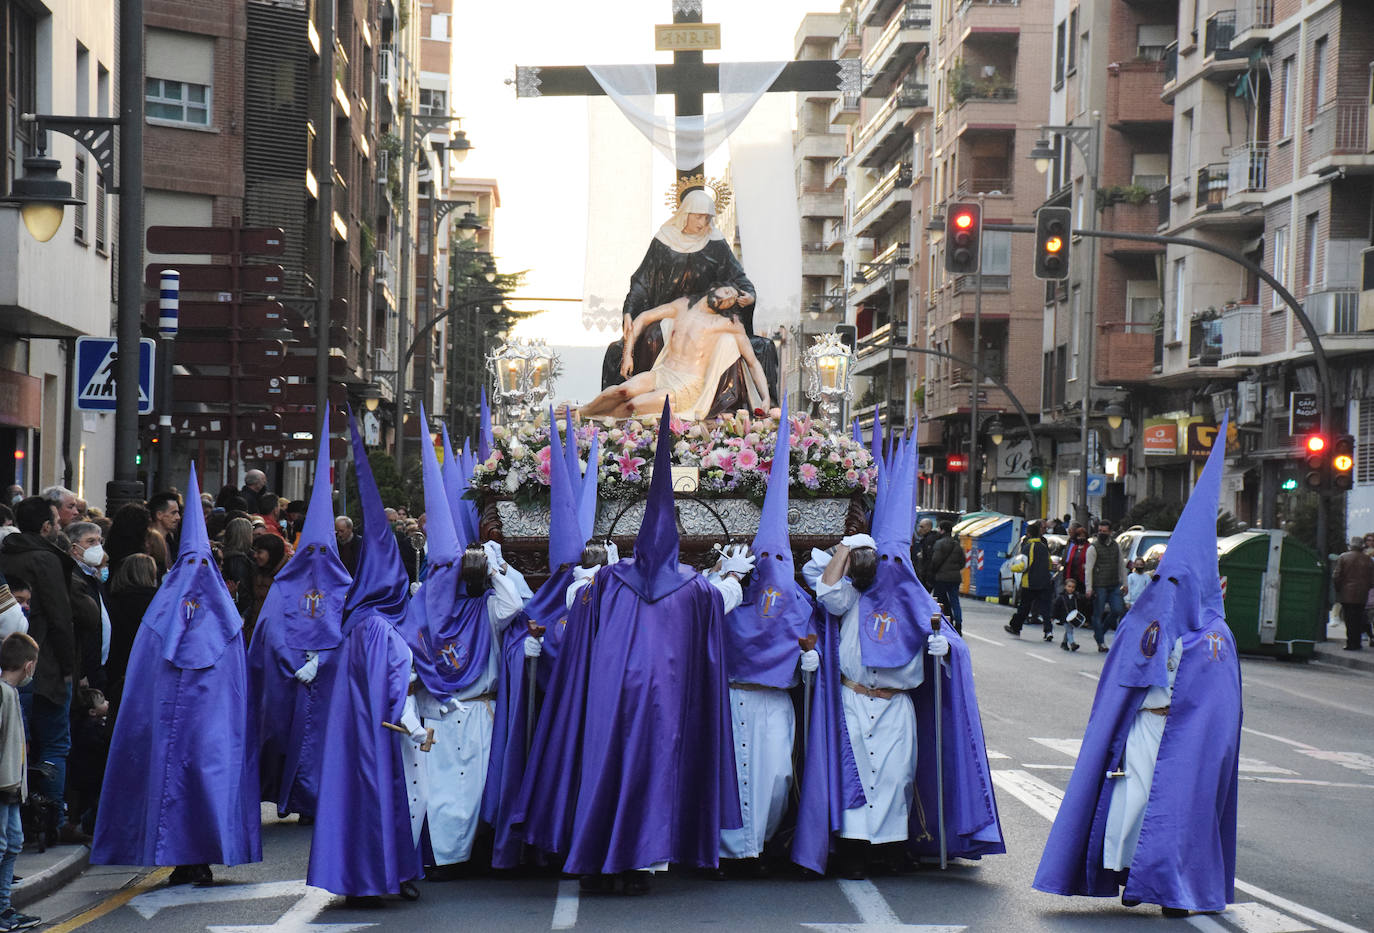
(829, 367)
(522, 374)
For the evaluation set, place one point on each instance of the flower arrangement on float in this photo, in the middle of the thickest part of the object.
(732, 454)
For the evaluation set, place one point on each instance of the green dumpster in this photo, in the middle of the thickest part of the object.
(1274, 591)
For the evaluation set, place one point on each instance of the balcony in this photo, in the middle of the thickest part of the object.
(1124, 216)
(819, 202)
(991, 185)
(1341, 128)
(1334, 312)
(1171, 63)
(386, 74)
(1139, 84)
(896, 48)
(822, 145)
(1219, 60)
(877, 12)
(1247, 169)
(1254, 18)
(1211, 186)
(1125, 353)
(891, 193)
(1204, 342)
(816, 261)
(835, 172)
(886, 131)
(845, 110)
(1241, 331)
(834, 236)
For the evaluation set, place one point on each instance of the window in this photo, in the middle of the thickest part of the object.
(432, 103)
(177, 101)
(1280, 270)
(1286, 121)
(1073, 41)
(1151, 41)
(1319, 72)
(1180, 298)
(1075, 325)
(79, 210)
(1150, 170)
(1310, 251)
(438, 26)
(101, 239)
(20, 77)
(1059, 53)
(996, 252)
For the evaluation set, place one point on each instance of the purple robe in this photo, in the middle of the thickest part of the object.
(632, 761)
(362, 844)
(761, 634)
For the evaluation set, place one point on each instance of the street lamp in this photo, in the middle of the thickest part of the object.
(828, 363)
(995, 431)
(1086, 139)
(1115, 415)
(522, 374)
(41, 197)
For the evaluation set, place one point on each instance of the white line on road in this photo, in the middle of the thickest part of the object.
(1310, 697)
(1259, 918)
(150, 903)
(1044, 798)
(1261, 779)
(1041, 657)
(995, 644)
(1093, 677)
(1206, 924)
(1068, 747)
(997, 756)
(1277, 738)
(868, 902)
(299, 919)
(1048, 767)
(1255, 766)
(565, 907)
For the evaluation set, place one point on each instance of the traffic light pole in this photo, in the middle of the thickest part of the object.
(973, 485)
(1308, 329)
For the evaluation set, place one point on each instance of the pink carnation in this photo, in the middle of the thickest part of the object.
(809, 475)
(746, 459)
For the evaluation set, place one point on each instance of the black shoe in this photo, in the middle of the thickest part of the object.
(596, 884)
(1174, 912)
(1353, 648)
(1065, 646)
(201, 876)
(1074, 646)
(71, 835)
(635, 883)
(1101, 649)
(1130, 901)
(180, 875)
(1013, 631)
(1049, 637)
(409, 891)
(12, 919)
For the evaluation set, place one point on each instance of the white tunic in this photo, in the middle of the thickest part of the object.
(455, 768)
(1131, 793)
(763, 724)
(882, 732)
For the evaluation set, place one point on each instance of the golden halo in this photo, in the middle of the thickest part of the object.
(718, 188)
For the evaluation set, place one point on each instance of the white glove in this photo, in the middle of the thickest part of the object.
(612, 553)
(810, 660)
(415, 587)
(937, 646)
(736, 559)
(533, 648)
(494, 560)
(410, 721)
(307, 671)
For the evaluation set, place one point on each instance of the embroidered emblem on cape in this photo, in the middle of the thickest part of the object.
(189, 607)
(1214, 645)
(768, 601)
(312, 603)
(880, 624)
(1149, 639)
(455, 654)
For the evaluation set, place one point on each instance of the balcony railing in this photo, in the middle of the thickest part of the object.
(900, 176)
(1341, 128)
(1254, 14)
(1204, 342)
(845, 109)
(989, 184)
(1211, 186)
(1163, 202)
(834, 236)
(1334, 312)
(914, 15)
(1241, 331)
(1171, 62)
(1248, 168)
(1221, 29)
(913, 94)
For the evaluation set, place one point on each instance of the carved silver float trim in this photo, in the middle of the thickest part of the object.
(687, 6)
(527, 81)
(851, 76)
(741, 517)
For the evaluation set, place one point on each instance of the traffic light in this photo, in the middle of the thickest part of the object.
(1289, 484)
(1052, 243)
(1036, 480)
(1343, 463)
(963, 236)
(1315, 452)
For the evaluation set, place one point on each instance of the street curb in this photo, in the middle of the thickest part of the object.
(37, 886)
(1349, 659)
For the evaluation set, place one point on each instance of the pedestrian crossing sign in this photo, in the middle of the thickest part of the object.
(96, 359)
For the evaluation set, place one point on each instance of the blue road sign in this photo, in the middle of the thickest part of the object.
(1097, 484)
(95, 374)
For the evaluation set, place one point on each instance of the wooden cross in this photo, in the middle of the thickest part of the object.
(689, 79)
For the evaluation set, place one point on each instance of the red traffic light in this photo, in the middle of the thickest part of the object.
(1316, 444)
(963, 220)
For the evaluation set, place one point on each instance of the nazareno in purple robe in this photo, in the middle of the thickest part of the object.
(362, 843)
(181, 786)
(1186, 853)
(302, 612)
(632, 762)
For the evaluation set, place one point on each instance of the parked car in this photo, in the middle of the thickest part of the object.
(1136, 541)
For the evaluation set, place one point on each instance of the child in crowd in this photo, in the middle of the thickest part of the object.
(90, 749)
(18, 659)
(1135, 582)
(1070, 610)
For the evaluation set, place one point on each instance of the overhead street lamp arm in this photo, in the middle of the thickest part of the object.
(100, 136)
(423, 332)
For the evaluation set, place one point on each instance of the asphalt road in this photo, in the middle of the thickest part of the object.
(1305, 824)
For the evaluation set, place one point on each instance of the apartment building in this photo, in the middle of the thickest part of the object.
(58, 59)
(819, 145)
(471, 330)
(989, 96)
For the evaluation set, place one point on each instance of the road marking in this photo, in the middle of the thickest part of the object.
(1260, 779)
(989, 641)
(565, 907)
(113, 902)
(1206, 924)
(148, 904)
(1093, 677)
(1355, 761)
(1258, 918)
(1069, 747)
(299, 918)
(1311, 697)
(996, 756)
(1277, 738)
(1041, 657)
(1044, 798)
(1255, 766)
(1048, 767)
(875, 916)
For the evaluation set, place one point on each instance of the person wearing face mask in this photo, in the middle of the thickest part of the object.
(1105, 573)
(90, 615)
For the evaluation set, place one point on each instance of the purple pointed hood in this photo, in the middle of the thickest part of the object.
(1185, 592)
(456, 477)
(307, 596)
(586, 494)
(565, 532)
(485, 441)
(654, 572)
(381, 584)
(192, 611)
